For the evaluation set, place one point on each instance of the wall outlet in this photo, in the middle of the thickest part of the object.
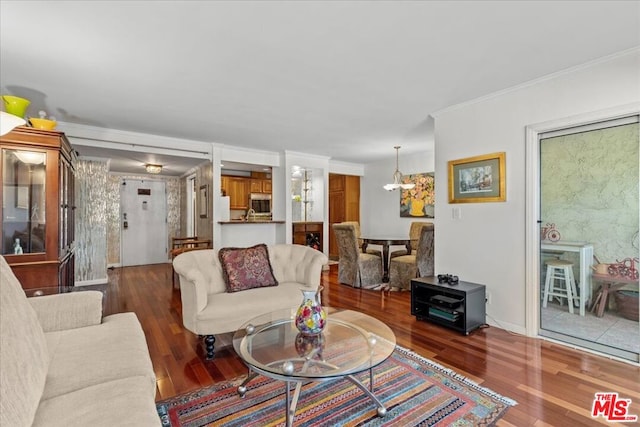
(487, 298)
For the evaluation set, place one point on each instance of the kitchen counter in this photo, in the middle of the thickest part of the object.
(241, 234)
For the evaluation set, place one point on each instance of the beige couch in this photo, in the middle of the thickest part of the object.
(62, 364)
(207, 307)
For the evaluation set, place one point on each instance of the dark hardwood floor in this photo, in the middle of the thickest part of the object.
(553, 384)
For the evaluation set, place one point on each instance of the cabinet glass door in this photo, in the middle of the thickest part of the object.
(23, 201)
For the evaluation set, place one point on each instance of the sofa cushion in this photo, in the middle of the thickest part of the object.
(229, 311)
(122, 402)
(246, 268)
(88, 356)
(24, 358)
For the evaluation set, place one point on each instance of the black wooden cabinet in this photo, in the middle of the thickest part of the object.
(460, 307)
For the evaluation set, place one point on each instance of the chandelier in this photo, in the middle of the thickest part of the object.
(397, 178)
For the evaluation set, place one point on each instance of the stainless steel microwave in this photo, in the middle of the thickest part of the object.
(260, 203)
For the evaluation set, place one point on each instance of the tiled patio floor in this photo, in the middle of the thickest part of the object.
(612, 329)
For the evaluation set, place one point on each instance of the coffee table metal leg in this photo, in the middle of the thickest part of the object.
(242, 388)
(287, 404)
(382, 411)
(291, 403)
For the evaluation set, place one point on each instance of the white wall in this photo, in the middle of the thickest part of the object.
(380, 209)
(487, 244)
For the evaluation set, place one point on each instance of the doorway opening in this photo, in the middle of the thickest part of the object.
(191, 222)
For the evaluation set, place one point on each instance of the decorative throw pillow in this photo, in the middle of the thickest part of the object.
(246, 268)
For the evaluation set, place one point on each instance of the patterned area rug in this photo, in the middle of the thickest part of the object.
(415, 391)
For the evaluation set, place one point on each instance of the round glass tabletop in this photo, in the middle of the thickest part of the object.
(351, 342)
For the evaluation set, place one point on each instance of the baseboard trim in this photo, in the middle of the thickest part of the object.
(102, 281)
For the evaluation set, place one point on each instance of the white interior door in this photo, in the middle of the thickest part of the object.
(143, 222)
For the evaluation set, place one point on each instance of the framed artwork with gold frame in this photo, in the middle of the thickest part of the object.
(478, 179)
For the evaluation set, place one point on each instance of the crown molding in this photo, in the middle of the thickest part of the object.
(533, 82)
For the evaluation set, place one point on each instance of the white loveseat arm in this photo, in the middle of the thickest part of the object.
(68, 311)
(200, 275)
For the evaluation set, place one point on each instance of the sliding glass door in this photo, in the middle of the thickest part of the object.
(589, 214)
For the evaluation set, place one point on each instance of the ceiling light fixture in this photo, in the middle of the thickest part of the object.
(153, 168)
(30, 157)
(397, 178)
(9, 121)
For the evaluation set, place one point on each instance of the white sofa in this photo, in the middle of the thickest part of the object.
(207, 307)
(62, 364)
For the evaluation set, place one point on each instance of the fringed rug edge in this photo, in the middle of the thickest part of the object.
(465, 380)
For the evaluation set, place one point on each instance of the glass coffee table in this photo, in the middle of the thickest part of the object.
(350, 343)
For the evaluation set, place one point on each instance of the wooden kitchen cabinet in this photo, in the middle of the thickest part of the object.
(344, 205)
(38, 206)
(262, 186)
(260, 182)
(238, 192)
(224, 185)
(238, 188)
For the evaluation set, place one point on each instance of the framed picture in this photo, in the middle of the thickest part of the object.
(203, 197)
(419, 201)
(478, 179)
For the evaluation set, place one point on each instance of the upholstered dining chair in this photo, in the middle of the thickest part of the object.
(354, 267)
(356, 226)
(414, 235)
(406, 267)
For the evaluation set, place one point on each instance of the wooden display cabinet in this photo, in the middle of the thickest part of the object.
(38, 206)
(308, 234)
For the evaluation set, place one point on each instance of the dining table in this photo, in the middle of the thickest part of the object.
(386, 242)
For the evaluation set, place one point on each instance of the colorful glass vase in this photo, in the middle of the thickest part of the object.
(311, 317)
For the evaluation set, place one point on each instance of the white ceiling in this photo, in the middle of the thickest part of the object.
(348, 80)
